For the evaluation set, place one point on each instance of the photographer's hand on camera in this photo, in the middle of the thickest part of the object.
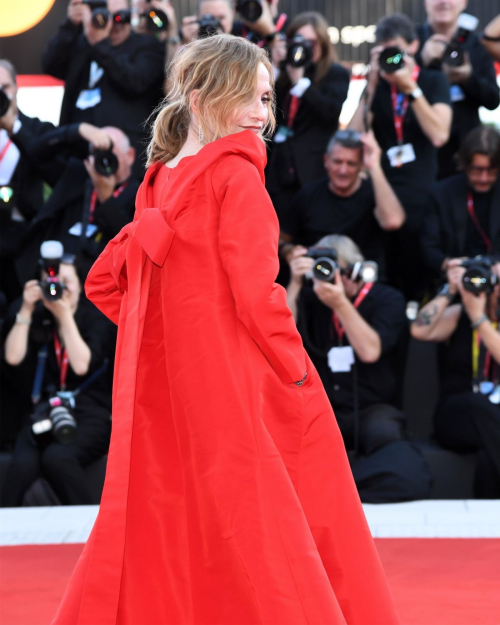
(75, 12)
(92, 34)
(103, 185)
(98, 138)
(458, 74)
(433, 49)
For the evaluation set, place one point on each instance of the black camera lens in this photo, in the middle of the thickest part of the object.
(156, 20)
(391, 59)
(454, 55)
(105, 162)
(4, 103)
(479, 278)
(324, 269)
(100, 18)
(209, 25)
(63, 424)
(299, 52)
(122, 17)
(250, 10)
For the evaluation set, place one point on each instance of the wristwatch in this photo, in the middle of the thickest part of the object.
(416, 93)
(22, 320)
(174, 40)
(445, 292)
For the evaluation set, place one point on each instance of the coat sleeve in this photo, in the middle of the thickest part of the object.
(107, 279)
(248, 245)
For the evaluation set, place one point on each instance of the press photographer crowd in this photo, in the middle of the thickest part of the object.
(390, 232)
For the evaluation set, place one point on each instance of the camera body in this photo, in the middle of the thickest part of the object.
(299, 52)
(326, 264)
(54, 418)
(51, 253)
(100, 13)
(4, 102)
(250, 10)
(105, 161)
(454, 52)
(479, 277)
(208, 26)
(391, 59)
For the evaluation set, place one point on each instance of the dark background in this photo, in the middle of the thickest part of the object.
(25, 50)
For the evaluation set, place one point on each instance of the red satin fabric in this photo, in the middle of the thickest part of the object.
(228, 498)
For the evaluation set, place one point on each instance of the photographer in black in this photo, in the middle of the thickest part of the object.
(21, 178)
(468, 415)
(409, 110)
(448, 43)
(350, 325)
(92, 198)
(345, 202)
(463, 219)
(220, 16)
(113, 76)
(56, 342)
(310, 91)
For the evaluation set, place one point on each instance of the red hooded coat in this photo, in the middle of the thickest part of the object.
(228, 499)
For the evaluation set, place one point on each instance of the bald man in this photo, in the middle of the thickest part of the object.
(86, 209)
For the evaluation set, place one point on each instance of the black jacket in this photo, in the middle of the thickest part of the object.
(445, 226)
(65, 208)
(316, 120)
(480, 90)
(131, 86)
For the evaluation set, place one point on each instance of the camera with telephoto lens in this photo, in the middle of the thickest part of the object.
(54, 418)
(156, 20)
(391, 59)
(326, 263)
(105, 161)
(479, 277)
(454, 53)
(250, 10)
(208, 26)
(100, 13)
(299, 52)
(51, 253)
(4, 102)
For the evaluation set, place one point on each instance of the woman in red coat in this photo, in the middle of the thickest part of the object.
(228, 498)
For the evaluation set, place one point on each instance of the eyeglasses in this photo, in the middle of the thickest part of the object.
(475, 169)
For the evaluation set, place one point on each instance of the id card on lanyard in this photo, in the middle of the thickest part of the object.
(403, 152)
(477, 225)
(285, 132)
(62, 361)
(341, 358)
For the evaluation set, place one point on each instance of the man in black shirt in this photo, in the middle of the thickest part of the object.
(409, 111)
(113, 75)
(463, 218)
(345, 202)
(467, 418)
(472, 84)
(86, 209)
(350, 330)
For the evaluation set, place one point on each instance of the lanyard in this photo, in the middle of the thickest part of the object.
(62, 361)
(400, 104)
(475, 221)
(357, 302)
(93, 200)
(4, 149)
(292, 110)
(476, 354)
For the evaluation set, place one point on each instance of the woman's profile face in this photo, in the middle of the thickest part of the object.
(254, 116)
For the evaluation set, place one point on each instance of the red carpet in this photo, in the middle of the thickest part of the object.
(434, 581)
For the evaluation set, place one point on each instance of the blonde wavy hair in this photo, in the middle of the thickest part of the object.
(224, 69)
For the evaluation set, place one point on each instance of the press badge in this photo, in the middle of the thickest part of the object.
(456, 93)
(77, 229)
(401, 154)
(282, 134)
(88, 98)
(340, 359)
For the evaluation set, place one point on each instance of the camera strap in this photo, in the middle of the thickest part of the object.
(293, 109)
(93, 200)
(339, 329)
(400, 103)
(475, 221)
(36, 392)
(481, 360)
(62, 360)
(5, 148)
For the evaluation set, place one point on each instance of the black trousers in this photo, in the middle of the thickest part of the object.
(389, 469)
(468, 422)
(61, 465)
